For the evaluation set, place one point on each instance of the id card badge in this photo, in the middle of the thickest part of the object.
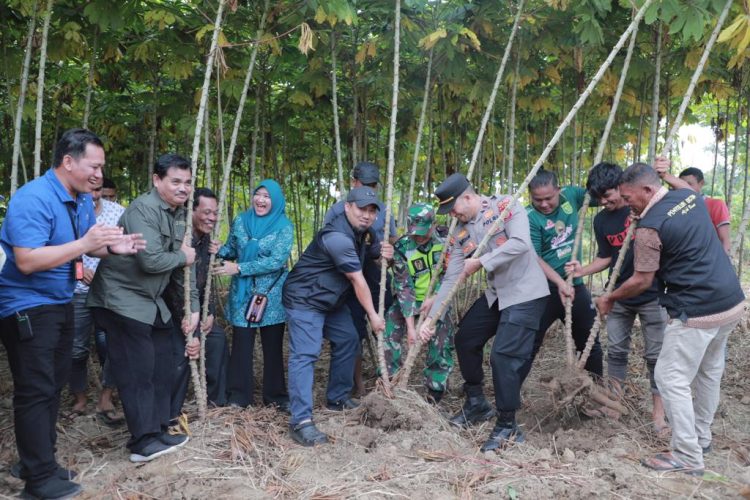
(78, 269)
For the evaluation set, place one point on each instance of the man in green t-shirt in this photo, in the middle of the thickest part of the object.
(553, 221)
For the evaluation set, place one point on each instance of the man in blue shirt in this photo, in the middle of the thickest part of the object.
(50, 224)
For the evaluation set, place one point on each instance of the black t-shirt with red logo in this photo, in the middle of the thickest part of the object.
(610, 229)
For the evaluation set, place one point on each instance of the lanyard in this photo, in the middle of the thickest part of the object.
(78, 261)
(73, 220)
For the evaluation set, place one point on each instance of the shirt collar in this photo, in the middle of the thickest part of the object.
(656, 198)
(162, 204)
(57, 187)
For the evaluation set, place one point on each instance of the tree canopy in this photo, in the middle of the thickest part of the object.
(139, 64)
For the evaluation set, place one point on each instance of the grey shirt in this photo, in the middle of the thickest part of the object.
(132, 285)
(513, 272)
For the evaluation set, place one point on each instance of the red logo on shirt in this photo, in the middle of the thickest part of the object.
(616, 240)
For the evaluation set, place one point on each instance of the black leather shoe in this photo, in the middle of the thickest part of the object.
(19, 472)
(502, 437)
(53, 488)
(307, 434)
(344, 404)
(475, 409)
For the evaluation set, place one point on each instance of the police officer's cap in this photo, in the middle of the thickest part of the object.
(449, 190)
(363, 196)
(366, 172)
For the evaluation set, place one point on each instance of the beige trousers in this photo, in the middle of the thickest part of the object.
(691, 357)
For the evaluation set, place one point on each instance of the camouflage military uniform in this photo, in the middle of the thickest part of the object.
(412, 270)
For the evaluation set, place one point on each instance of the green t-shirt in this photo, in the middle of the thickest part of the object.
(552, 235)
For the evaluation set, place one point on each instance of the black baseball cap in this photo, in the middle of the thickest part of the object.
(362, 197)
(449, 190)
(366, 172)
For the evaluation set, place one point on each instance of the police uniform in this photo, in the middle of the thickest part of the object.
(510, 309)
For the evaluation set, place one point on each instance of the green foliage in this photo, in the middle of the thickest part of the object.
(149, 64)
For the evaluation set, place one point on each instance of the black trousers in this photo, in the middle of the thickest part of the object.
(240, 375)
(371, 271)
(217, 354)
(514, 329)
(40, 367)
(583, 318)
(143, 370)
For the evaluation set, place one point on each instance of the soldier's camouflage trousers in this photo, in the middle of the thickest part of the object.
(439, 362)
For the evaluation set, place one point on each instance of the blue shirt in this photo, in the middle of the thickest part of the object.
(41, 214)
(378, 226)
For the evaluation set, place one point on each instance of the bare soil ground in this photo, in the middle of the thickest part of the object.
(412, 452)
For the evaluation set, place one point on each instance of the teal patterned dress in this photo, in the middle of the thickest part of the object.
(270, 264)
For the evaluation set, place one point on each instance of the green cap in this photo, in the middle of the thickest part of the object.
(419, 219)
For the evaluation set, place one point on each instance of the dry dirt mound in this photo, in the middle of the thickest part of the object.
(405, 448)
(407, 410)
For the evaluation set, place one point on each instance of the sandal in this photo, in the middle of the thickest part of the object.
(110, 417)
(666, 462)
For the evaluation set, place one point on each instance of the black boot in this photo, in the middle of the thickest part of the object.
(475, 409)
(502, 436)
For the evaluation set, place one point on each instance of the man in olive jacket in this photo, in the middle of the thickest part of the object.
(126, 297)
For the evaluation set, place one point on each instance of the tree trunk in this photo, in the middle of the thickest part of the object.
(21, 98)
(152, 145)
(716, 129)
(254, 141)
(389, 189)
(736, 149)
(655, 99)
(739, 241)
(726, 150)
(420, 128)
(90, 80)
(336, 131)
(511, 127)
(40, 91)
(616, 100)
(642, 115)
(200, 393)
(207, 143)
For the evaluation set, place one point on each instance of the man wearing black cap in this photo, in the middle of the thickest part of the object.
(514, 300)
(367, 174)
(315, 298)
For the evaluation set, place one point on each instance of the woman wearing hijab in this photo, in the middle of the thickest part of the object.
(256, 254)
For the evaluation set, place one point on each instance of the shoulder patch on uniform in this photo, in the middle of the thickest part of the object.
(502, 205)
(567, 208)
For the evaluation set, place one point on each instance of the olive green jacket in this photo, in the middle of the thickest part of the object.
(132, 285)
